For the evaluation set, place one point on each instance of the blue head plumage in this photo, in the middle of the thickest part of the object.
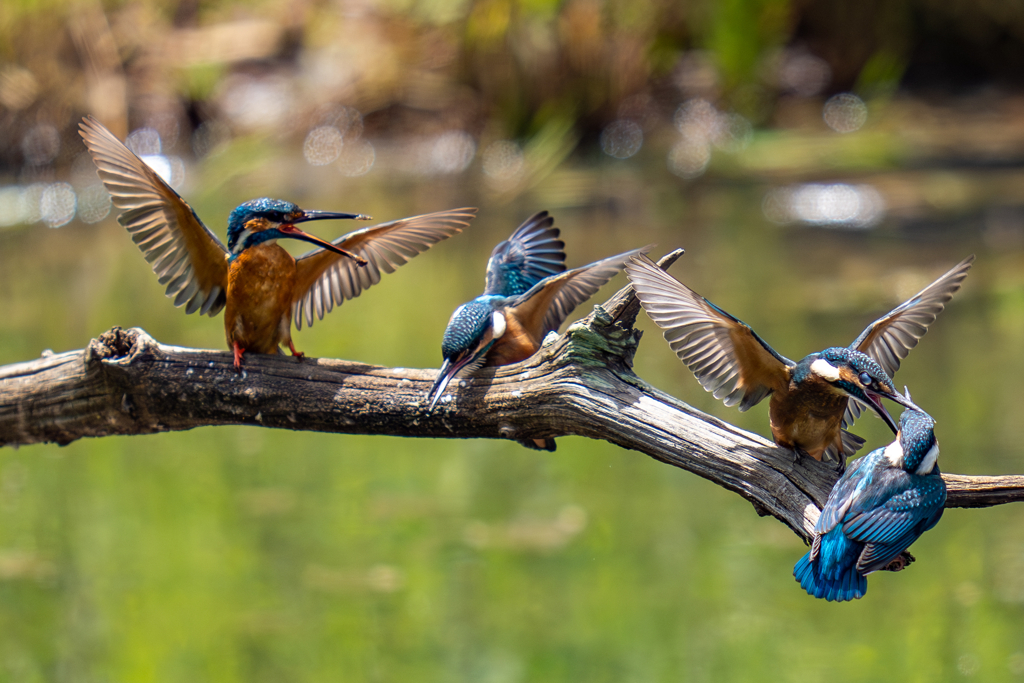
(273, 211)
(471, 332)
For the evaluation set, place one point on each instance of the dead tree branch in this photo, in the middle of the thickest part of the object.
(127, 383)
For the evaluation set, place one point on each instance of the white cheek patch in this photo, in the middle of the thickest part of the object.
(929, 460)
(498, 322)
(242, 237)
(894, 454)
(822, 368)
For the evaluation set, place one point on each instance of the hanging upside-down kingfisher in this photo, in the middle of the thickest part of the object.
(527, 294)
(260, 286)
(881, 505)
(810, 406)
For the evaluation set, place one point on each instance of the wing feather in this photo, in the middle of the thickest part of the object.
(726, 356)
(890, 338)
(184, 254)
(546, 305)
(532, 253)
(326, 279)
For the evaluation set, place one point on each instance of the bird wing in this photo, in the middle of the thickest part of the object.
(887, 527)
(548, 303)
(184, 254)
(728, 358)
(890, 338)
(532, 253)
(325, 279)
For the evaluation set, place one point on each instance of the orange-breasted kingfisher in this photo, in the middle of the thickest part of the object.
(881, 504)
(811, 404)
(260, 285)
(527, 294)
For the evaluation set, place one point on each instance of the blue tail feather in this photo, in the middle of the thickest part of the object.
(846, 585)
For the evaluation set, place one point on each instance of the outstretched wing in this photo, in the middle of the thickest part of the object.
(726, 356)
(326, 279)
(184, 254)
(532, 253)
(890, 338)
(548, 303)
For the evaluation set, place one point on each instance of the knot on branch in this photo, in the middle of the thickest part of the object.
(119, 346)
(112, 344)
(601, 341)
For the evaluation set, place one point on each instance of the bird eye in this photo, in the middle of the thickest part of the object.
(865, 379)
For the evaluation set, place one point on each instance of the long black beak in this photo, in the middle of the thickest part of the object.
(289, 230)
(329, 215)
(445, 375)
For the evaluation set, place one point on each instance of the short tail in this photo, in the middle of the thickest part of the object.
(849, 585)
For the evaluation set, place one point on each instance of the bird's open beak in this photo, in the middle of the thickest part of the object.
(879, 408)
(445, 375)
(289, 230)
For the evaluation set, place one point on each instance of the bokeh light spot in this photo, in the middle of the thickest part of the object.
(57, 204)
(93, 204)
(357, 158)
(825, 205)
(845, 113)
(323, 145)
(144, 142)
(622, 139)
(503, 162)
(452, 152)
(804, 74)
(689, 158)
(41, 144)
(13, 207)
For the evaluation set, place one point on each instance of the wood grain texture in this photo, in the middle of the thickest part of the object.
(125, 382)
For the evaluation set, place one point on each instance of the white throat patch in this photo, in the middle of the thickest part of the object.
(894, 453)
(498, 321)
(929, 460)
(822, 368)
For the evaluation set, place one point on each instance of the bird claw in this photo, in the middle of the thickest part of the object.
(295, 352)
(238, 351)
(900, 563)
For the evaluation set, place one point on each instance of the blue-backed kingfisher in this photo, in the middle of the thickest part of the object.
(260, 286)
(527, 294)
(882, 504)
(810, 406)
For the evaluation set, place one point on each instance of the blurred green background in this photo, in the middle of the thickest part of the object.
(820, 162)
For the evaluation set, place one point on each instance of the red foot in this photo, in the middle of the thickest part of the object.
(297, 354)
(238, 355)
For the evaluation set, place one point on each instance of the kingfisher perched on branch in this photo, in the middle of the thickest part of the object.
(881, 505)
(527, 294)
(811, 404)
(261, 286)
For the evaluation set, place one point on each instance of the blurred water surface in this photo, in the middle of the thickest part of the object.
(241, 554)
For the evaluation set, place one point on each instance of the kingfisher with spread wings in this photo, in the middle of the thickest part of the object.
(527, 294)
(813, 401)
(260, 286)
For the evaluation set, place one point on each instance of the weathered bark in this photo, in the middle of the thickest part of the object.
(127, 383)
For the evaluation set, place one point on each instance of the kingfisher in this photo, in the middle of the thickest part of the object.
(260, 286)
(813, 401)
(527, 294)
(877, 509)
